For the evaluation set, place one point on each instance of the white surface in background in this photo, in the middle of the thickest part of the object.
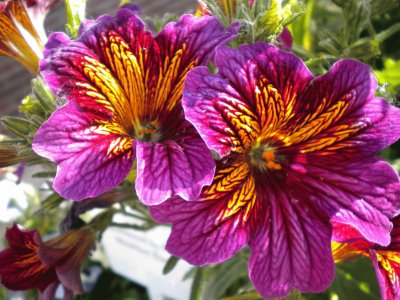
(10, 191)
(141, 256)
(18, 194)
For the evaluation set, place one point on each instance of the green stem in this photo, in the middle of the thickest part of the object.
(382, 36)
(133, 226)
(316, 61)
(133, 215)
(196, 292)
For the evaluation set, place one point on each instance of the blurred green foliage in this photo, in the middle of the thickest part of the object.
(354, 279)
(113, 287)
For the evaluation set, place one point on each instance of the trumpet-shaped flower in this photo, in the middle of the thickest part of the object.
(29, 263)
(386, 260)
(123, 89)
(22, 35)
(297, 152)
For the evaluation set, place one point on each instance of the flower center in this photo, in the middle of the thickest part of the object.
(147, 132)
(264, 157)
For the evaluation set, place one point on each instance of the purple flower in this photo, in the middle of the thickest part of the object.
(285, 40)
(297, 152)
(29, 263)
(123, 89)
(385, 260)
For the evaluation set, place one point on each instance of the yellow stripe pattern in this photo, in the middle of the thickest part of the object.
(12, 41)
(235, 183)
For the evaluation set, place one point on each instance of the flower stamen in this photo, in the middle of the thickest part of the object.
(269, 157)
(147, 132)
(264, 157)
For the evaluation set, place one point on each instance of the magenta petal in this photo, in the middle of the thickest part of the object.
(75, 73)
(292, 251)
(285, 39)
(174, 167)
(55, 40)
(387, 264)
(362, 194)
(123, 45)
(387, 270)
(183, 45)
(380, 276)
(383, 122)
(347, 80)
(197, 36)
(50, 292)
(197, 236)
(224, 107)
(344, 233)
(62, 65)
(206, 100)
(246, 66)
(91, 158)
(352, 120)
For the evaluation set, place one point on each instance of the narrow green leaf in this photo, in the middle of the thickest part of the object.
(76, 13)
(224, 276)
(52, 202)
(247, 296)
(189, 274)
(13, 142)
(44, 175)
(197, 285)
(307, 38)
(18, 126)
(170, 265)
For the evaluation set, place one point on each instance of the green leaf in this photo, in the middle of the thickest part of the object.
(51, 202)
(44, 175)
(190, 273)
(246, 296)
(124, 2)
(231, 274)
(147, 225)
(44, 96)
(271, 21)
(301, 27)
(114, 287)
(295, 295)
(262, 21)
(364, 49)
(254, 295)
(18, 126)
(170, 265)
(76, 13)
(39, 105)
(197, 285)
(13, 142)
(379, 7)
(354, 280)
(390, 74)
(30, 106)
